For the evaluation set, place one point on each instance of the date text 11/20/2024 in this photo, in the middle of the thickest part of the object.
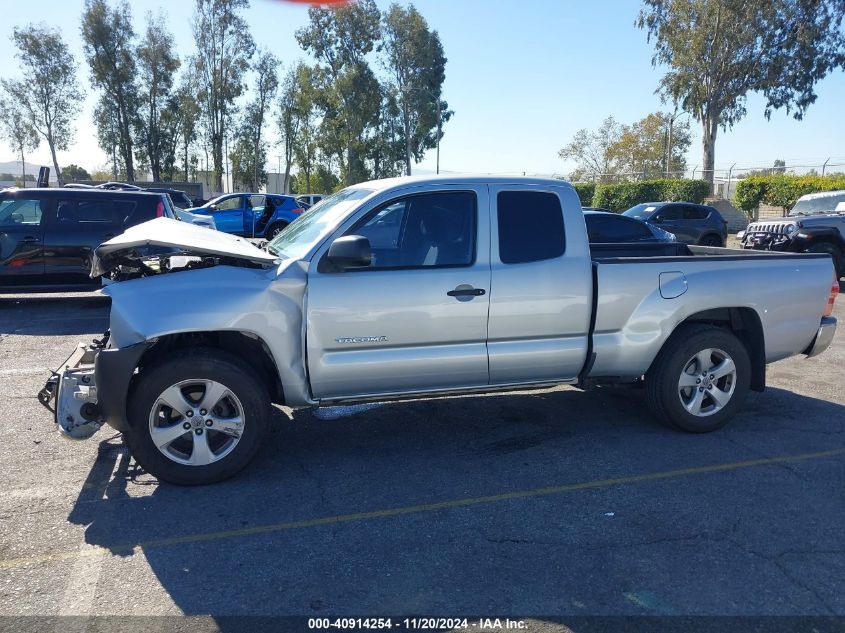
(430, 624)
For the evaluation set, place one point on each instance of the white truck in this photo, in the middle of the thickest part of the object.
(416, 288)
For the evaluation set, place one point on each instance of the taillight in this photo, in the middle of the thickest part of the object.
(160, 209)
(834, 290)
(296, 210)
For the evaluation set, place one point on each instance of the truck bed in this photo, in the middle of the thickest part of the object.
(633, 251)
(642, 292)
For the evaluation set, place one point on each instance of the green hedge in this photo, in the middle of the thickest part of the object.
(585, 191)
(627, 194)
(781, 190)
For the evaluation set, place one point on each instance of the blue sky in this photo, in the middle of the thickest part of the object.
(522, 77)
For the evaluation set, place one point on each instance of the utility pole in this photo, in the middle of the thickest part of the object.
(226, 165)
(674, 116)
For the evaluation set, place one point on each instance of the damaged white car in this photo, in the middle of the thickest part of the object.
(420, 287)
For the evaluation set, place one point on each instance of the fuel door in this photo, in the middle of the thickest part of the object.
(672, 284)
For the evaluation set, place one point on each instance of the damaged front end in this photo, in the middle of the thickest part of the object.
(164, 245)
(91, 387)
(72, 390)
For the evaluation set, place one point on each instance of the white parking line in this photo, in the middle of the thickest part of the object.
(24, 371)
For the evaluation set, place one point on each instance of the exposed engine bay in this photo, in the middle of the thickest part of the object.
(139, 266)
(163, 246)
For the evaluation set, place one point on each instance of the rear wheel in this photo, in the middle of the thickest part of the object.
(700, 378)
(711, 240)
(197, 418)
(834, 251)
(274, 230)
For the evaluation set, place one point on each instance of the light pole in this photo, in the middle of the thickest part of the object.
(438, 104)
(279, 175)
(669, 143)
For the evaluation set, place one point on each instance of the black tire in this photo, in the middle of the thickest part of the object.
(834, 251)
(275, 229)
(663, 391)
(710, 240)
(200, 364)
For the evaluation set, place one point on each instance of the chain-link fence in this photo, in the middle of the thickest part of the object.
(815, 167)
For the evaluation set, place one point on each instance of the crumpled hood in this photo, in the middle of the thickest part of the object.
(164, 235)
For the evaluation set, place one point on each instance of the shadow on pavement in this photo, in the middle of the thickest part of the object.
(693, 544)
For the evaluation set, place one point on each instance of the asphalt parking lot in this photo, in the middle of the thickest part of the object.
(549, 503)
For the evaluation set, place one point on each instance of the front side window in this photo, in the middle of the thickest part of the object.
(20, 211)
(433, 229)
(530, 226)
(228, 204)
(669, 213)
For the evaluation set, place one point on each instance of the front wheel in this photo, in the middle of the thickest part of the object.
(699, 379)
(197, 418)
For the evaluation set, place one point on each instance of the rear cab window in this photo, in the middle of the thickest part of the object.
(531, 226)
(607, 228)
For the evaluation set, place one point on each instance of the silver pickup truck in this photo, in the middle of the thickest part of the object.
(420, 287)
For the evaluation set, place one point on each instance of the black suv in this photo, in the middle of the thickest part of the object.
(690, 223)
(48, 235)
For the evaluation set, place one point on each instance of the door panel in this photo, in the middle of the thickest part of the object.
(21, 237)
(229, 215)
(395, 329)
(253, 210)
(539, 310)
(672, 220)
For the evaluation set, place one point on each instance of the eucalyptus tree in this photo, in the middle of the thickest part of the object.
(18, 131)
(157, 65)
(108, 42)
(224, 49)
(340, 39)
(719, 51)
(416, 65)
(49, 94)
(266, 69)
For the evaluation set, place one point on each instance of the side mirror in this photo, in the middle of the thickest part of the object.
(657, 219)
(350, 251)
(212, 207)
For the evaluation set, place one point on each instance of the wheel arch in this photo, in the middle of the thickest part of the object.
(746, 325)
(282, 222)
(710, 233)
(246, 346)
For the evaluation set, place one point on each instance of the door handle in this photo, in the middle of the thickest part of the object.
(466, 292)
(29, 239)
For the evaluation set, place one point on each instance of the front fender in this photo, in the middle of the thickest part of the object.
(804, 237)
(267, 304)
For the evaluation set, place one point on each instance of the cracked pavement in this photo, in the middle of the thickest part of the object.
(758, 540)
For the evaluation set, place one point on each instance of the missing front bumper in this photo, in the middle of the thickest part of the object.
(73, 390)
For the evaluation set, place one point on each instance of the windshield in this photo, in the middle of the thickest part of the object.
(819, 203)
(317, 222)
(641, 211)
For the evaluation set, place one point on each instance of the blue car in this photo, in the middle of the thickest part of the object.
(251, 214)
